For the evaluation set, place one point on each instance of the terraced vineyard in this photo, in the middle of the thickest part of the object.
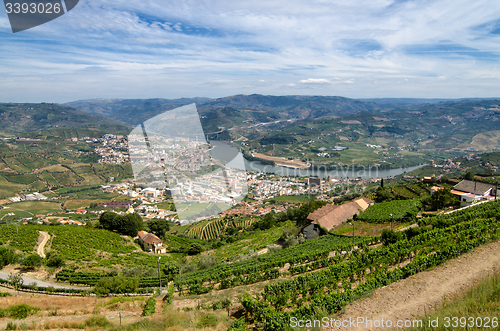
(332, 288)
(401, 210)
(207, 230)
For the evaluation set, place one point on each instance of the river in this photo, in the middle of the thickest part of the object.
(230, 154)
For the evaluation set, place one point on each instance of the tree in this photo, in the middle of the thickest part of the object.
(128, 225)
(118, 284)
(32, 261)
(195, 249)
(267, 222)
(469, 175)
(54, 260)
(131, 224)
(15, 280)
(159, 227)
(7, 256)
(442, 198)
(207, 261)
(383, 194)
(107, 220)
(170, 268)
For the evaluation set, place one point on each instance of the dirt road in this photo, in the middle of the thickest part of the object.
(411, 298)
(44, 236)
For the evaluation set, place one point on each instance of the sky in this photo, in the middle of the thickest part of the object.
(216, 48)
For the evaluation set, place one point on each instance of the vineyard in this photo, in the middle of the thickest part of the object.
(365, 269)
(310, 255)
(208, 230)
(401, 210)
(74, 243)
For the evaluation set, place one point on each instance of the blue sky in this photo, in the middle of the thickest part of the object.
(216, 48)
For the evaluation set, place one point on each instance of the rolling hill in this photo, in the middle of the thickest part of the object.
(28, 117)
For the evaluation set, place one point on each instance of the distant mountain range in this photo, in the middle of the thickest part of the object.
(28, 117)
(249, 107)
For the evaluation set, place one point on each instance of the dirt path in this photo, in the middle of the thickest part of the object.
(44, 236)
(411, 298)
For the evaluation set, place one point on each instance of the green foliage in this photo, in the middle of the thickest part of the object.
(267, 222)
(239, 325)
(168, 298)
(149, 308)
(170, 267)
(20, 311)
(5, 294)
(11, 326)
(15, 280)
(299, 215)
(7, 256)
(32, 261)
(207, 321)
(159, 227)
(442, 198)
(55, 261)
(389, 237)
(207, 261)
(118, 284)
(402, 211)
(195, 249)
(129, 224)
(469, 175)
(383, 194)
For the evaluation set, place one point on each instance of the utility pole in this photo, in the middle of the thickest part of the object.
(352, 234)
(473, 201)
(392, 221)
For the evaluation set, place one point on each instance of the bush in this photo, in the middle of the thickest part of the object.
(207, 262)
(390, 237)
(195, 249)
(7, 256)
(150, 307)
(55, 261)
(21, 311)
(207, 320)
(99, 321)
(32, 261)
(118, 284)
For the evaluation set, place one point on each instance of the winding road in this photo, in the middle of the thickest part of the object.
(28, 281)
(41, 247)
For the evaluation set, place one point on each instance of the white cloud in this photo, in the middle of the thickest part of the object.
(166, 48)
(314, 81)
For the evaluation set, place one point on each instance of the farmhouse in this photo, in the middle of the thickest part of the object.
(151, 242)
(469, 192)
(331, 216)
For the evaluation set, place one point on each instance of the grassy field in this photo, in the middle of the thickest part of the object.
(36, 207)
(292, 198)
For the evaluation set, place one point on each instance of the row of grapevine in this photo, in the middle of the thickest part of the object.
(401, 210)
(369, 268)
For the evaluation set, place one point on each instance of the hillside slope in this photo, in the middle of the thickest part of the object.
(27, 117)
